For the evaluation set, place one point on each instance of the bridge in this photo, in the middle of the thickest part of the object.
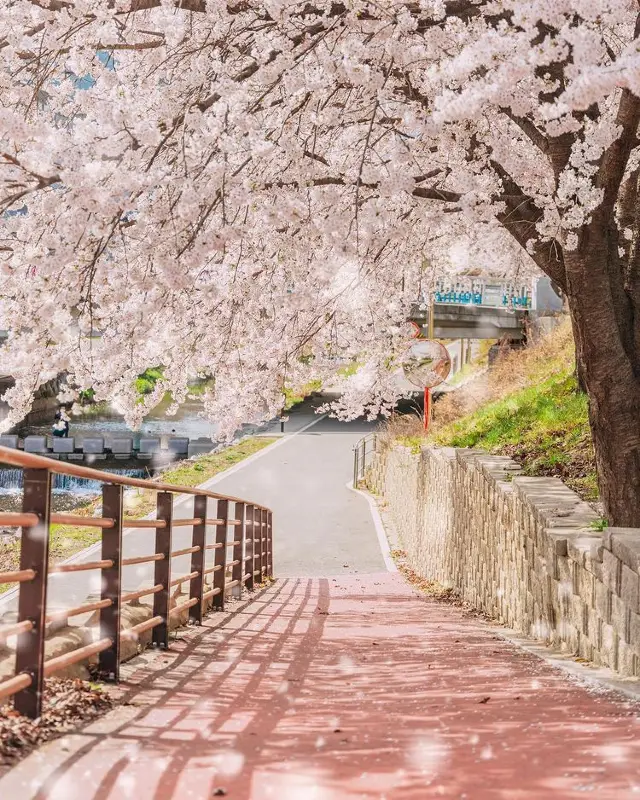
(486, 309)
(335, 681)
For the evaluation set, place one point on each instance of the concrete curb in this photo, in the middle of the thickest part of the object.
(383, 540)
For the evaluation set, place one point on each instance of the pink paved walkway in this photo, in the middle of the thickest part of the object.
(354, 687)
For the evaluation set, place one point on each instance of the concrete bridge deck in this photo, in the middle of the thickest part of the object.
(339, 682)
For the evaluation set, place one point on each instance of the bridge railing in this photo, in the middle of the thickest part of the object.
(363, 454)
(243, 557)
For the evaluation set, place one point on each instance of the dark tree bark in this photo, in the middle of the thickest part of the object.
(605, 325)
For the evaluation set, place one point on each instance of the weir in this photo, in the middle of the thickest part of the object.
(11, 481)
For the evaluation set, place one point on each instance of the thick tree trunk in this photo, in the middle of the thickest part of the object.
(604, 325)
(614, 416)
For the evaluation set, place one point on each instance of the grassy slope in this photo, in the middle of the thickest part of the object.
(66, 540)
(529, 408)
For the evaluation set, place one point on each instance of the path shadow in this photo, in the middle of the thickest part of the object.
(352, 688)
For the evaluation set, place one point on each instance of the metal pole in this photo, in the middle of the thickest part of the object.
(32, 601)
(251, 535)
(162, 599)
(431, 319)
(427, 392)
(239, 535)
(109, 660)
(427, 409)
(199, 539)
(364, 459)
(220, 557)
(270, 544)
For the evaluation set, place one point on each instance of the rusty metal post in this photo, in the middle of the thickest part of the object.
(250, 536)
(32, 601)
(220, 557)
(263, 544)
(356, 453)
(363, 468)
(162, 599)
(109, 660)
(427, 409)
(196, 585)
(270, 544)
(240, 536)
(257, 543)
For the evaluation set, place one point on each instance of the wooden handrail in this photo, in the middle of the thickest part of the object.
(141, 593)
(81, 566)
(73, 612)
(127, 562)
(15, 629)
(13, 520)
(17, 576)
(55, 664)
(81, 522)
(144, 523)
(184, 578)
(18, 458)
(15, 684)
(185, 551)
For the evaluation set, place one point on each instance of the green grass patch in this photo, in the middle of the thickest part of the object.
(146, 382)
(294, 397)
(348, 370)
(193, 473)
(544, 426)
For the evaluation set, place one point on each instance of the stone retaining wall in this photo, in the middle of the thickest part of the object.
(523, 550)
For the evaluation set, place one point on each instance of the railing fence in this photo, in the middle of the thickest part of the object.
(251, 562)
(363, 454)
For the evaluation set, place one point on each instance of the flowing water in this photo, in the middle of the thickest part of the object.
(68, 491)
(103, 421)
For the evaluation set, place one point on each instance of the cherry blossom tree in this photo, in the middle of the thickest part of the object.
(252, 190)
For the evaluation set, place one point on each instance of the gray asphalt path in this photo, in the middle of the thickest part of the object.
(320, 526)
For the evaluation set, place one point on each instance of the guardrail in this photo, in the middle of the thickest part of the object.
(251, 562)
(363, 453)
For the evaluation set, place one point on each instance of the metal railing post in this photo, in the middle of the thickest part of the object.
(32, 601)
(109, 660)
(220, 558)
(364, 458)
(265, 544)
(240, 536)
(162, 599)
(270, 544)
(196, 585)
(356, 451)
(257, 539)
(250, 557)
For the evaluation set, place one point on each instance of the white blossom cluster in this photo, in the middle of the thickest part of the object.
(257, 191)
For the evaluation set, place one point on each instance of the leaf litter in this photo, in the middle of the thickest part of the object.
(68, 704)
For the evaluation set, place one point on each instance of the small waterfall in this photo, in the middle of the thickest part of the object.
(11, 481)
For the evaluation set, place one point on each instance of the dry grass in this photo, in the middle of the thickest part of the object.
(527, 407)
(513, 370)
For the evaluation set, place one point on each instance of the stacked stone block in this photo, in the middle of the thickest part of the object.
(522, 550)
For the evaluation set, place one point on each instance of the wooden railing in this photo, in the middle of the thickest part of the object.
(250, 545)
